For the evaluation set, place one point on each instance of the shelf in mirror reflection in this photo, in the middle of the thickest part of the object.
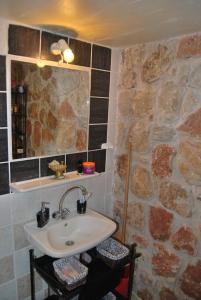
(44, 182)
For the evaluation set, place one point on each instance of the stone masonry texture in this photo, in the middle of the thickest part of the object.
(159, 113)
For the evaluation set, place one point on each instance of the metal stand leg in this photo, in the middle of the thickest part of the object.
(48, 291)
(134, 255)
(32, 275)
(131, 272)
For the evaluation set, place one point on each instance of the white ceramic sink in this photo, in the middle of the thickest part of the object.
(71, 236)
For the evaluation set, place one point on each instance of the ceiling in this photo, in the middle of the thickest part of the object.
(115, 23)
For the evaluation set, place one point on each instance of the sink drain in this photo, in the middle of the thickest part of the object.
(69, 243)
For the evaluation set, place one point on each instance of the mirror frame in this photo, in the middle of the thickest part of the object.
(10, 58)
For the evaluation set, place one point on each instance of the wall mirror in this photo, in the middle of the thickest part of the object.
(49, 110)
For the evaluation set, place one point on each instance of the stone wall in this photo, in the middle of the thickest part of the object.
(159, 112)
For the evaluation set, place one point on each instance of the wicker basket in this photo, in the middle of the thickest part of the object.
(70, 272)
(113, 253)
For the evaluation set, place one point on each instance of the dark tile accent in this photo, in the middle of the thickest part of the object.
(99, 157)
(3, 110)
(99, 110)
(82, 52)
(3, 145)
(72, 160)
(4, 179)
(2, 73)
(23, 41)
(97, 136)
(24, 170)
(101, 57)
(100, 83)
(46, 41)
(44, 169)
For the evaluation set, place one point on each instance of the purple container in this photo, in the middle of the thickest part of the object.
(88, 167)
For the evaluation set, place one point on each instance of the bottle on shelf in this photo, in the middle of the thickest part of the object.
(15, 108)
(20, 89)
(13, 85)
(20, 145)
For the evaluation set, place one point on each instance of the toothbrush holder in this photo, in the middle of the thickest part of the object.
(81, 207)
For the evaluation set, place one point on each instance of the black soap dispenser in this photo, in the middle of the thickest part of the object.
(43, 215)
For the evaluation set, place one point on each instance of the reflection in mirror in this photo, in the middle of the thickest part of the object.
(49, 108)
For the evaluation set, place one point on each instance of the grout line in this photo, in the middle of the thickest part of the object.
(99, 149)
(39, 166)
(106, 97)
(9, 175)
(98, 97)
(91, 56)
(102, 70)
(94, 124)
(44, 157)
(40, 44)
(7, 282)
(88, 119)
(13, 239)
(8, 102)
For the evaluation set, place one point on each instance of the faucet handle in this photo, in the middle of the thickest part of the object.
(61, 215)
(64, 213)
(56, 215)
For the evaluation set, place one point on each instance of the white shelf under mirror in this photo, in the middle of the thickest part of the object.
(44, 182)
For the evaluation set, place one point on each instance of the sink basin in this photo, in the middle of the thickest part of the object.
(71, 236)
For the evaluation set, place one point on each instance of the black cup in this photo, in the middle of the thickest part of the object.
(81, 207)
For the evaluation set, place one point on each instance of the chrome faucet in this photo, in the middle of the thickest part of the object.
(63, 212)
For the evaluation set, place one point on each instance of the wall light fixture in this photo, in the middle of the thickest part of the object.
(61, 48)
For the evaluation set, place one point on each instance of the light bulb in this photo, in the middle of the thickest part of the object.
(62, 48)
(62, 45)
(68, 55)
(55, 49)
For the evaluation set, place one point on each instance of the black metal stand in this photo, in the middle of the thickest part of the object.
(101, 278)
(32, 275)
(134, 256)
